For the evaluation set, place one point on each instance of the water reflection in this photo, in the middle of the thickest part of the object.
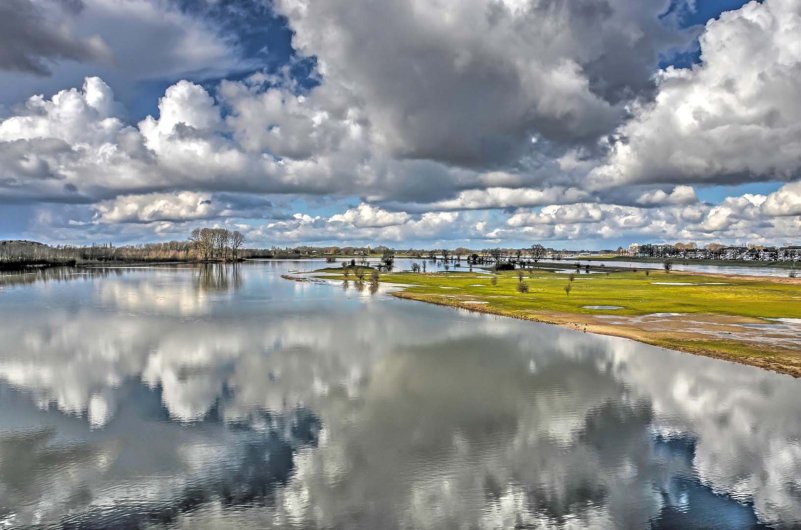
(218, 277)
(274, 405)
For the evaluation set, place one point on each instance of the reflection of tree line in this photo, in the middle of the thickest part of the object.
(209, 277)
(218, 277)
(57, 274)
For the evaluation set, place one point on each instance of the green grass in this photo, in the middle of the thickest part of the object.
(633, 291)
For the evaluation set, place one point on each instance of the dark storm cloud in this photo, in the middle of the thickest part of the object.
(470, 83)
(30, 39)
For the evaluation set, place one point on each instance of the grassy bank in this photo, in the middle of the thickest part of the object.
(719, 316)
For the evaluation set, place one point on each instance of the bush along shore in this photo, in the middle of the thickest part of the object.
(750, 320)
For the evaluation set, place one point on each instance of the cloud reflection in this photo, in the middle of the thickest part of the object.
(439, 418)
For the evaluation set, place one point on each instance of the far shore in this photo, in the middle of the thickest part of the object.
(680, 261)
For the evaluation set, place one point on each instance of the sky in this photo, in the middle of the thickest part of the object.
(583, 124)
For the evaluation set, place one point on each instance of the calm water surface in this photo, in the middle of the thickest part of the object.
(228, 398)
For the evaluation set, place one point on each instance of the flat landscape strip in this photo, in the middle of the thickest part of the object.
(722, 316)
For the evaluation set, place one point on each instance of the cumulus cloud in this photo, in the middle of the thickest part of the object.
(490, 109)
(471, 82)
(679, 195)
(156, 207)
(363, 223)
(497, 197)
(736, 219)
(733, 118)
(785, 201)
(366, 216)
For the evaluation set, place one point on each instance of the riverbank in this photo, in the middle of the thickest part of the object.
(749, 320)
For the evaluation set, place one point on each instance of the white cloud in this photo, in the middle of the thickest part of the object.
(679, 195)
(366, 216)
(786, 201)
(497, 197)
(157, 207)
(735, 117)
(363, 223)
(735, 219)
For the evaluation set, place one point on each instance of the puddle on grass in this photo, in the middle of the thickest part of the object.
(689, 283)
(602, 307)
(796, 321)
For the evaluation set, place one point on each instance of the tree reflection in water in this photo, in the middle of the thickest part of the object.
(218, 277)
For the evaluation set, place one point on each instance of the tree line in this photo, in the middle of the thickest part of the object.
(217, 244)
(204, 244)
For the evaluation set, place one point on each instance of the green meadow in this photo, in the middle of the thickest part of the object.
(635, 292)
(707, 303)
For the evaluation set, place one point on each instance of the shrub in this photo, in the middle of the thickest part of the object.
(522, 287)
(568, 288)
(494, 280)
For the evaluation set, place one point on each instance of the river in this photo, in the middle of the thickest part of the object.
(228, 397)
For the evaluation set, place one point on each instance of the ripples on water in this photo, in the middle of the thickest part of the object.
(228, 397)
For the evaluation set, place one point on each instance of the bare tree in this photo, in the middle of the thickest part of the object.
(237, 240)
(537, 252)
